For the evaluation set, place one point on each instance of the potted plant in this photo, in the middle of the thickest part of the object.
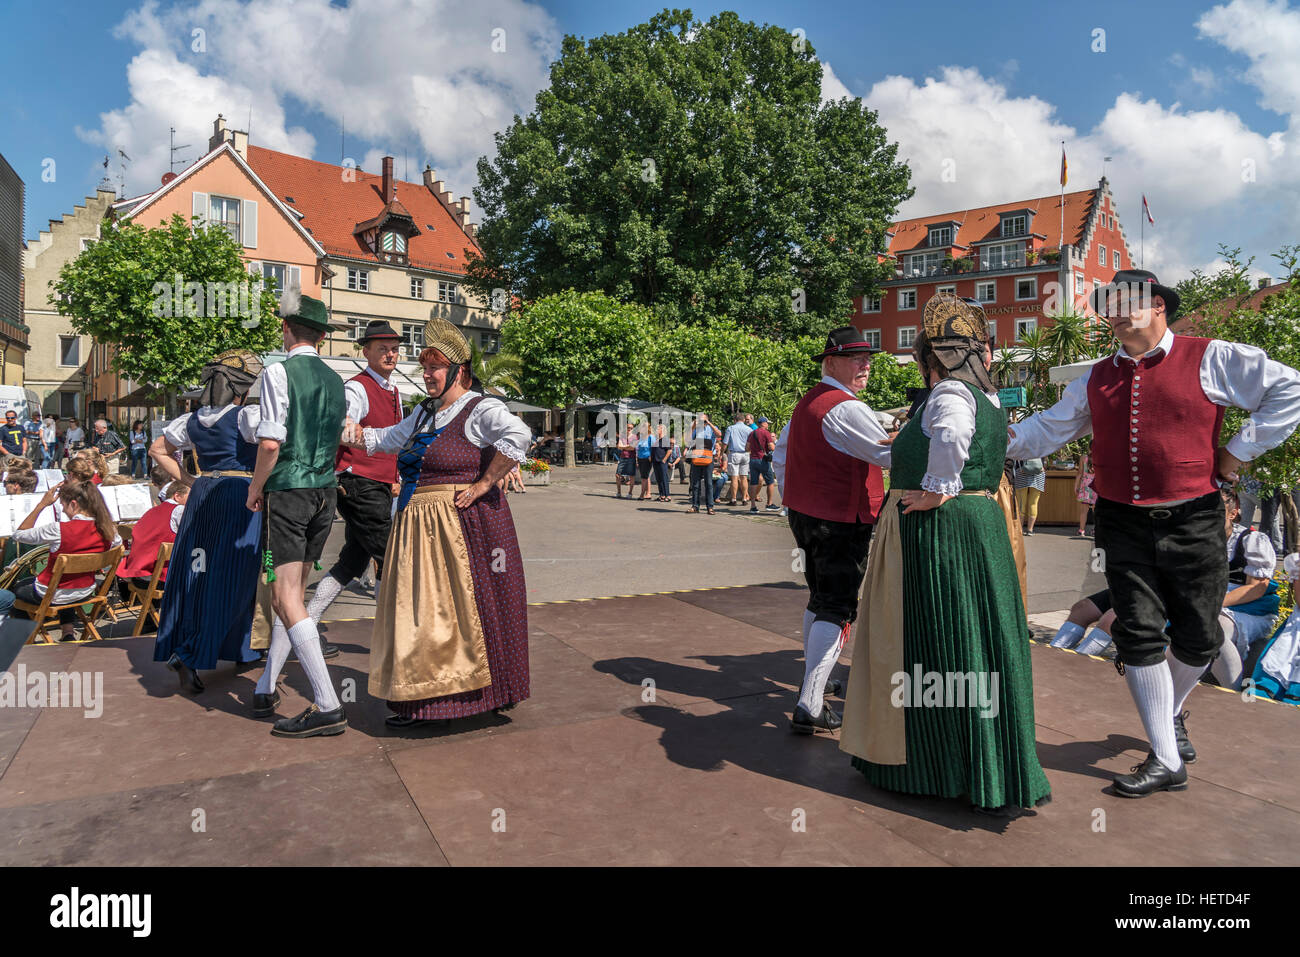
(535, 472)
(1052, 255)
(1031, 257)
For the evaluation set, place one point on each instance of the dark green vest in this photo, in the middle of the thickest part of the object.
(317, 408)
(988, 447)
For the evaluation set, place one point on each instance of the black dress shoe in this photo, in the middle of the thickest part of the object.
(834, 687)
(188, 676)
(327, 651)
(1185, 749)
(804, 723)
(312, 722)
(265, 704)
(1150, 776)
(401, 721)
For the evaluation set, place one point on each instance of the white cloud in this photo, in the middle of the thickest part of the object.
(832, 88)
(434, 78)
(1267, 32)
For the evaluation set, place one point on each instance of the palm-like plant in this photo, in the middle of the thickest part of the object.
(499, 372)
(1066, 339)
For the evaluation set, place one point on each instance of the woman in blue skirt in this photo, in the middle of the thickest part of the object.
(211, 595)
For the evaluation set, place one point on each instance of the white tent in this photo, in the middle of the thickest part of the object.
(1068, 373)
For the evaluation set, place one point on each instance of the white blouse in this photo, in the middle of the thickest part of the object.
(176, 431)
(1261, 558)
(488, 423)
(949, 422)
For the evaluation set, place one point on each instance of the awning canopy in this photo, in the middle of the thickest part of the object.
(515, 406)
(1068, 373)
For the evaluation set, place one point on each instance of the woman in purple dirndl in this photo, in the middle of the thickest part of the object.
(451, 624)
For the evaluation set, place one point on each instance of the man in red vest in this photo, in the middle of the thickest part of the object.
(1155, 409)
(828, 461)
(365, 498)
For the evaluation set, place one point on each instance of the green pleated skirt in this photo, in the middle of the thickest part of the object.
(968, 688)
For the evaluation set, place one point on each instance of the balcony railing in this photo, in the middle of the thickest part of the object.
(975, 263)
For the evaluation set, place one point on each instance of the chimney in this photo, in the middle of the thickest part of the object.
(430, 177)
(463, 215)
(471, 230)
(445, 196)
(1263, 282)
(218, 133)
(241, 144)
(388, 179)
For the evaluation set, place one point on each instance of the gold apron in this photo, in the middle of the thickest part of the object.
(1007, 499)
(428, 639)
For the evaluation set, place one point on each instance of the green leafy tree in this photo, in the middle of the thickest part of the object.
(574, 344)
(1274, 327)
(167, 300)
(889, 381)
(1232, 283)
(693, 168)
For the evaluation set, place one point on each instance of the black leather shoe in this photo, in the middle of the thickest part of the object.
(327, 651)
(834, 687)
(1150, 776)
(401, 721)
(1185, 749)
(311, 722)
(264, 705)
(188, 676)
(804, 723)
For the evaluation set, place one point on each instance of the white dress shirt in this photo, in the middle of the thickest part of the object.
(948, 421)
(355, 394)
(849, 427)
(1231, 374)
(275, 397)
(488, 423)
(176, 432)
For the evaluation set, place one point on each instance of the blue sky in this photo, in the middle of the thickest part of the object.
(1184, 94)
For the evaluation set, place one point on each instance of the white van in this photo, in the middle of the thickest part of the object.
(22, 401)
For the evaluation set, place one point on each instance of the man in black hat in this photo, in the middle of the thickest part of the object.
(827, 462)
(1155, 409)
(365, 491)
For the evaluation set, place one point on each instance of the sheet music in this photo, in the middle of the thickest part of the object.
(48, 478)
(126, 503)
(15, 508)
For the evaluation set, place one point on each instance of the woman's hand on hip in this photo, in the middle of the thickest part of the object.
(918, 501)
(468, 496)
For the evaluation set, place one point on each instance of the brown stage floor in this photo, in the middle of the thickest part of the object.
(588, 772)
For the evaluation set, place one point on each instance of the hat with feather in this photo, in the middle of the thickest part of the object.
(304, 310)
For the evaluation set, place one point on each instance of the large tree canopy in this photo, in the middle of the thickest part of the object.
(692, 167)
(168, 299)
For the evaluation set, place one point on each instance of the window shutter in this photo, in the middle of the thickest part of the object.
(293, 278)
(250, 223)
(200, 206)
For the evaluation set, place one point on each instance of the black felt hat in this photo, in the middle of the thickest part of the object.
(1132, 280)
(378, 329)
(843, 341)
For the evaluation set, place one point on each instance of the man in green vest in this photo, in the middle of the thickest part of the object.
(303, 408)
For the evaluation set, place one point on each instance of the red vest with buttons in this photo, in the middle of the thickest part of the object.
(1155, 434)
(819, 480)
(76, 537)
(152, 530)
(383, 409)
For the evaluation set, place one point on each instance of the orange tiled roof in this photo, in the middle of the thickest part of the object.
(983, 223)
(332, 208)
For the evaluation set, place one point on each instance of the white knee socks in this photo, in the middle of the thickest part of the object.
(306, 645)
(1094, 644)
(821, 649)
(1067, 635)
(275, 658)
(1152, 688)
(807, 623)
(1185, 678)
(327, 589)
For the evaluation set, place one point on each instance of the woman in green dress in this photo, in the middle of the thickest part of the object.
(940, 698)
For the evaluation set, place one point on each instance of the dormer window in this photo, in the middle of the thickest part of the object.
(1014, 226)
(393, 242)
(940, 236)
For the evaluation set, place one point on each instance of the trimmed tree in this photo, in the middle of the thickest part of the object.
(576, 344)
(167, 300)
(693, 168)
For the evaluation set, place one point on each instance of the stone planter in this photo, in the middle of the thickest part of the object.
(539, 478)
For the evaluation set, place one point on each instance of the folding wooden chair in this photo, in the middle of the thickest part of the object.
(117, 606)
(45, 613)
(148, 596)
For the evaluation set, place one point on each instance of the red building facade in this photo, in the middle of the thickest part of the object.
(1014, 258)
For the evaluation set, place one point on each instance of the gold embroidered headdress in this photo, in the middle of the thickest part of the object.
(442, 335)
(956, 332)
(228, 375)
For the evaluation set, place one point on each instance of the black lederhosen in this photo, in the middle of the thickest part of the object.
(366, 507)
(835, 561)
(1165, 564)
